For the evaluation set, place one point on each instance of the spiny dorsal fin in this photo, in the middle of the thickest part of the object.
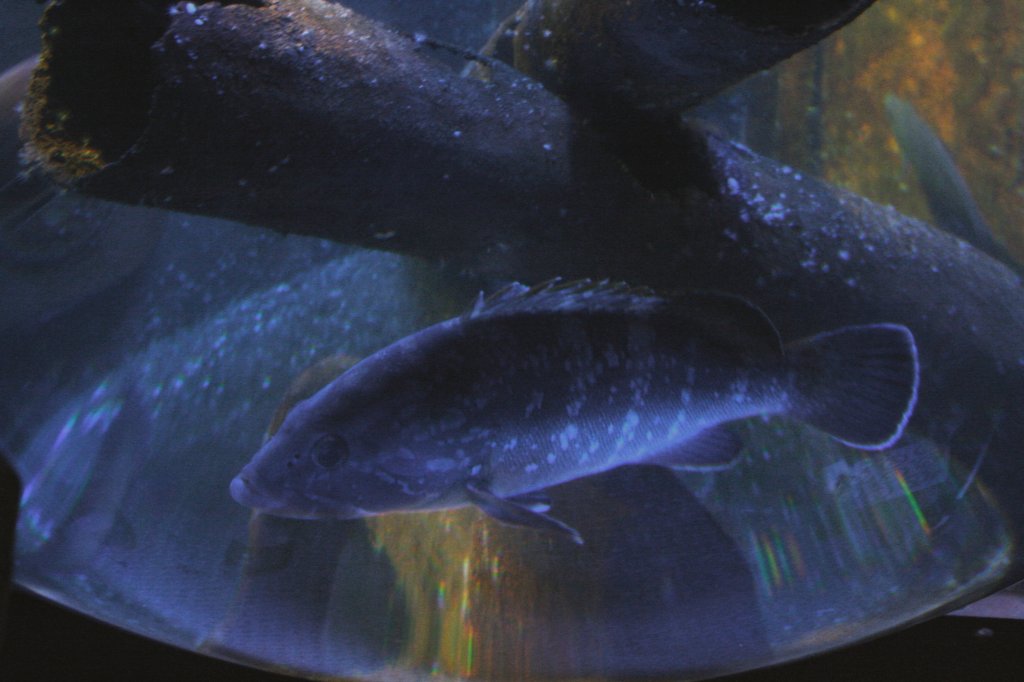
(732, 319)
(582, 295)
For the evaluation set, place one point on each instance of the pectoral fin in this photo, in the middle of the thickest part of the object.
(535, 502)
(712, 449)
(519, 511)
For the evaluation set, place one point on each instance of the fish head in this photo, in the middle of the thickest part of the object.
(351, 451)
(298, 478)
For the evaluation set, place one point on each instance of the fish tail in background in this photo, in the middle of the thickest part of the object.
(949, 198)
(858, 384)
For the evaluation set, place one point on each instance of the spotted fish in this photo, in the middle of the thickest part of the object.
(538, 386)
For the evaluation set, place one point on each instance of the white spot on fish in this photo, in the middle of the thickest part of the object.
(511, 444)
(739, 389)
(567, 436)
(775, 214)
(440, 464)
(551, 458)
(632, 419)
(530, 468)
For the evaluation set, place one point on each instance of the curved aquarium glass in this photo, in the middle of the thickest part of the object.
(705, 401)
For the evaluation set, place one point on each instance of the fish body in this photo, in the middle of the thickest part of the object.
(536, 387)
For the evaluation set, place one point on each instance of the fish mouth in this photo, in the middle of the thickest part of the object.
(248, 494)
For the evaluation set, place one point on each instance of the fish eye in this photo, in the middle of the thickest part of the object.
(329, 451)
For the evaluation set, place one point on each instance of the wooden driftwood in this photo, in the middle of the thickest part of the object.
(626, 62)
(304, 117)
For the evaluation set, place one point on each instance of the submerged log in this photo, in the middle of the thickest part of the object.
(305, 117)
(302, 116)
(631, 68)
(624, 62)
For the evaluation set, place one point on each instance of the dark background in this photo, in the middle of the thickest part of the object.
(45, 642)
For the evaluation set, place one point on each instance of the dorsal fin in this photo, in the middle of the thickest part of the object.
(732, 319)
(582, 295)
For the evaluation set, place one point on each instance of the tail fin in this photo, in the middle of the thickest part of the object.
(858, 384)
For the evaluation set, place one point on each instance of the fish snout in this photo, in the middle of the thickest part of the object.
(249, 494)
(245, 493)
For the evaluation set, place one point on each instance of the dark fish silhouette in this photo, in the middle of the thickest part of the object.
(536, 387)
(949, 198)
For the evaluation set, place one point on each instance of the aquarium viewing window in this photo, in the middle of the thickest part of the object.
(502, 340)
